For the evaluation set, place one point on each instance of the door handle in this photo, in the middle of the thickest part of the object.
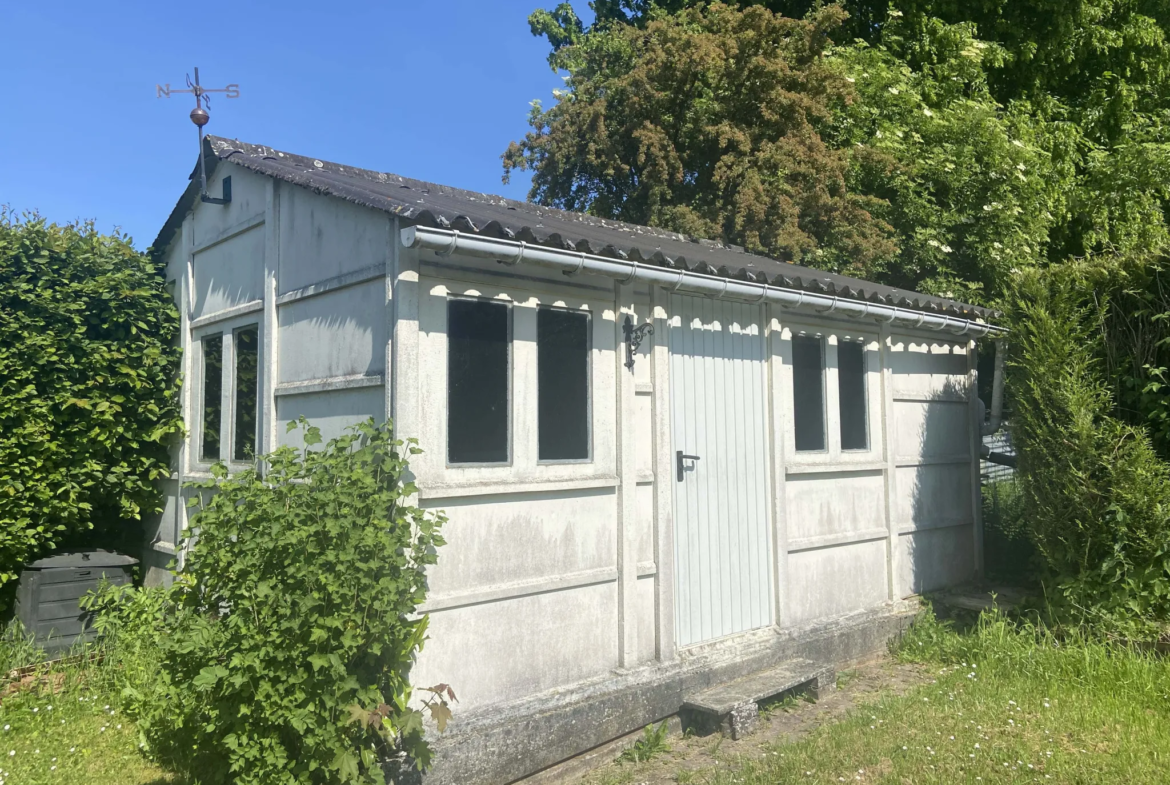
(680, 463)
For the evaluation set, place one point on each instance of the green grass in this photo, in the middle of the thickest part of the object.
(63, 726)
(1007, 704)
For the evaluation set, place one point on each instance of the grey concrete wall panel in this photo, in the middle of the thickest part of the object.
(229, 273)
(322, 238)
(339, 333)
(332, 411)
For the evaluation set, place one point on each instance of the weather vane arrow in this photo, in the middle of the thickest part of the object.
(200, 116)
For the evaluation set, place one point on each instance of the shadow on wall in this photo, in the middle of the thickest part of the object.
(935, 500)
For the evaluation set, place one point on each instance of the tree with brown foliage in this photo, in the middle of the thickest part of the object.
(708, 123)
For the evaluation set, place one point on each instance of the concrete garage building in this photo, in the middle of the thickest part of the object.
(667, 463)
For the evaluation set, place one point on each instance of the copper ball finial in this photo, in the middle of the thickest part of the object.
(199, 116)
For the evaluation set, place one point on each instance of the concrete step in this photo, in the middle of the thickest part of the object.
(734, 707)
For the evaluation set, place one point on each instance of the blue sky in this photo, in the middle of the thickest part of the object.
(433, 90)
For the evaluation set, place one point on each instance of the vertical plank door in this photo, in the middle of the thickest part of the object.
(723, 550)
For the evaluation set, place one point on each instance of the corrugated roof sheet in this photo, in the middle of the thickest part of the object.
(429, 204)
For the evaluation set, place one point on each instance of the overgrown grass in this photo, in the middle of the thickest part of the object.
(1008, 703)
(62, 725)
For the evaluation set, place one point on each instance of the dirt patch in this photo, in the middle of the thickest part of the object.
(784, 721)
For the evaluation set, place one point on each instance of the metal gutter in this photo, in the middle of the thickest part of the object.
(445, 242)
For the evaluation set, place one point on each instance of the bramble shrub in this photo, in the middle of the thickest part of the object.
(285, 643)
(1096, 495)
(88, 387)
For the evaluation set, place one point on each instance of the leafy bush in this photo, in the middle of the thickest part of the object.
(652, 744)
(1096, 495)
(1007, 539)
(286, 642)
(88, 385)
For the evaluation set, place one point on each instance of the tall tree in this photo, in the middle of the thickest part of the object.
(706, 123)
(750, 127)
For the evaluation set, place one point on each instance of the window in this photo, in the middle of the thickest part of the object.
(562, 360)
(851, 387)
(212, 401)
(808, 404)
(245, 383)
(478, 348)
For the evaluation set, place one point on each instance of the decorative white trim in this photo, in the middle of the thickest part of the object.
(508, 488)
(831, 540)
(364, 275)
(236, 311)
(907, 462)
(910, 397)
(356, 381)
(836, 468)
(647, 568)
(234, 230)
(518, 589)
(911, 528)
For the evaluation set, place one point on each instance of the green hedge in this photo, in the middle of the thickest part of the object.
(88, 386)
(1096, 494)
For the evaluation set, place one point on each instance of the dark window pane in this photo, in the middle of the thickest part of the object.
(851, 385)
(212, 388)
(477, 381)
(808, 408)
(247, 355)
(562, 361)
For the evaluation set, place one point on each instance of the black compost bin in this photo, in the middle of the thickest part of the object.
(47, 600)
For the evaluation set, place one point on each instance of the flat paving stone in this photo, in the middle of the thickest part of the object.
(735, 704)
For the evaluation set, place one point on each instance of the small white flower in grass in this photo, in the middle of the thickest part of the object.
(36, 752)
(119, 726)
(1047, 706)
(903, 746)
(103, 729)
(52, 768)
(71, 749)
(35, 710)
(928, 113)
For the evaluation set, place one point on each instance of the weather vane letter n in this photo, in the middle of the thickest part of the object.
(199, 116)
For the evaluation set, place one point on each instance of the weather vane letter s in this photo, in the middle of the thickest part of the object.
(200, 116)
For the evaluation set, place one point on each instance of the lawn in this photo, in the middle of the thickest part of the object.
(65, 726)
(1003, 704)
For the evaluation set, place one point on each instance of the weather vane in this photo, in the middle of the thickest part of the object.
(200, 116)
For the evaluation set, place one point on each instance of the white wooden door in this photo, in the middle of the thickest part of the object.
(723, 544)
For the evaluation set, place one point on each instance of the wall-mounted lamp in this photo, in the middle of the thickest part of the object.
(634, 338)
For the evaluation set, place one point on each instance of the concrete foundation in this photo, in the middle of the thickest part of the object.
(501, 744)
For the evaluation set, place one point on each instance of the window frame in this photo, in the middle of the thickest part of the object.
(439, 280)
(588, 386)
(509, 373)
(234, 394)
(832, 333)
(226, 330)
(201, 397)
(824, 375)
(865, 396)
